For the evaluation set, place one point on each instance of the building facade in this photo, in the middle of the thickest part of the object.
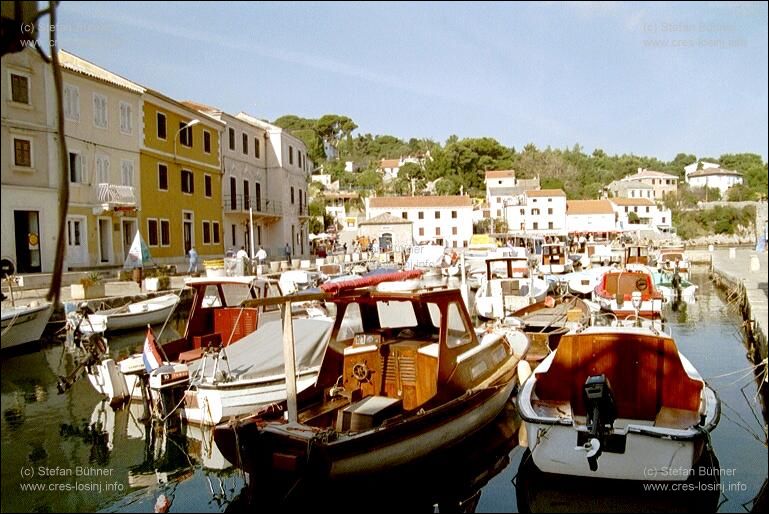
(181, 176)
(503, 188)
(662, 184)
(30, 176)
(718, 178)
(103, 130)
(590, 217)
(540, 212)
(287, 176)
(649, 213)
(443, 220)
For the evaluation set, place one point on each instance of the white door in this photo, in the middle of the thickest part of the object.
(77, 241)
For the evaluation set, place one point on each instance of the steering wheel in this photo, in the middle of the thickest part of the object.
(360, 371)
(641, 284)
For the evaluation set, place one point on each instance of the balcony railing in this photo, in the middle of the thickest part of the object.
(115, 195)
(241, 203)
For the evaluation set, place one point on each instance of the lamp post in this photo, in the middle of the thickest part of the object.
(189, 124)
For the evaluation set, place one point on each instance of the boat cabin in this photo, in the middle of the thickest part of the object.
(216, 317)
(554, 254)
(635, 254)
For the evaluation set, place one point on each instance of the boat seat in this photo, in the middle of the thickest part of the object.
(645, 372)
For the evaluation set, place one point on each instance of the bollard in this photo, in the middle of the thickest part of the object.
(710, 248)
(755, 265)
(732, 252)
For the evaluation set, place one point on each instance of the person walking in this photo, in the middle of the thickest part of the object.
(242, 259)
(261, 256)
(288, 253)
(193, 260)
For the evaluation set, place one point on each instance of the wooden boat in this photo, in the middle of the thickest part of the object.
(215, 319)
(633, 405)
(23, 323)
(615, 293)
(414, 377)
(499, 297)
(547, 321)
(130, 316)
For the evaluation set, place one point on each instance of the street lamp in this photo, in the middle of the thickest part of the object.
(189, 124)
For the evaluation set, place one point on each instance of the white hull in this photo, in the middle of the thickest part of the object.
(489, 298)
(687, 293)
(141, 314)
(23, 324)
(444, 434)
(555, 269)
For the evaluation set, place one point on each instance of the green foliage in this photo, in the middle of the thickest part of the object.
(740, 193)
(632, 217)
(718, 220)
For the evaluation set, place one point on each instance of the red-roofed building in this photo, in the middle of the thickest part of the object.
(590, 217)
(444, 220)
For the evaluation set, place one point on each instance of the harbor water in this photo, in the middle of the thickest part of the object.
(71, 452)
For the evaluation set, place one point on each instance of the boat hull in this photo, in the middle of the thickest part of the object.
(21, 326)
(129, 320)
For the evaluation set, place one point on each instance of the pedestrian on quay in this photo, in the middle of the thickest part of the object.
(287, 250)
(193, 261)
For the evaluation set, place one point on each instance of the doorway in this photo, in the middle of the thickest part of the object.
(27, 235)
(105, 240)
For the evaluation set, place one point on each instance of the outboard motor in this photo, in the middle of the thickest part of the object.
(601, 413)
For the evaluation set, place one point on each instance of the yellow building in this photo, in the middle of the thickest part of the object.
(181, 176)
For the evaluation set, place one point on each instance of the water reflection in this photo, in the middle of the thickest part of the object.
(447, 481)
(544, 492)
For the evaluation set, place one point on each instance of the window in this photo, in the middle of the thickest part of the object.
(535, 212)
(499, 213)
(256, 147)
(206, 141)
(437, 215)
(19, 89)
(437, 231)
(232, 233)
(291, 155)
(258, 198)
(102, 169)
(245, 143)
(206, 233)
(76, 167)
(162, 177)
(188, 185)
(207, 186)
(421, 231)
(549, 199)
(454, 215)
(233, 194)
(99, 111)
(457, 333)
(535, 226)
(152, 232)
(215, 230)
(453, 231)
(421, 215)
(185, 134)
(404, 215)
(292, 195)
(299, 158)
(231, 138)
(246, 193)
(127, 173)
(165, 233)
(550, 224)
(550, 211)
(22, 152)
(161, 125)
(647, 209)
(71, 103)
(126, 121)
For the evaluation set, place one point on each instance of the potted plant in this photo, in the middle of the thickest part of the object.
(90, 286)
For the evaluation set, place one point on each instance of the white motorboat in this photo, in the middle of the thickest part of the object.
(499, 297)
(24, 323)
(132, 315)
(618, 402)
(584, 282)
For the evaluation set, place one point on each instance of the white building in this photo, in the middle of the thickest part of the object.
(541, 212)
(445, 220)
(705, 165)
(502, 188)
(390, 167)
(648, 212)
(287, 171)
(30, 176)
(590, 217)
(104, 128)
(716, 178)
(390, 232)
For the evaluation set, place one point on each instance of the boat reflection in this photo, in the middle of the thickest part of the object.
(537, 491)
(446, 481)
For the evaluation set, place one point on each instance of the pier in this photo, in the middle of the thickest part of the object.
(744, 272)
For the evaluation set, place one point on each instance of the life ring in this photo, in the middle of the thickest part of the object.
(641, 284)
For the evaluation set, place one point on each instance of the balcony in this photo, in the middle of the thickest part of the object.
(234, 204)
(113, 197)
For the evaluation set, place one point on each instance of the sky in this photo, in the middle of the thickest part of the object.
(652, 79)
